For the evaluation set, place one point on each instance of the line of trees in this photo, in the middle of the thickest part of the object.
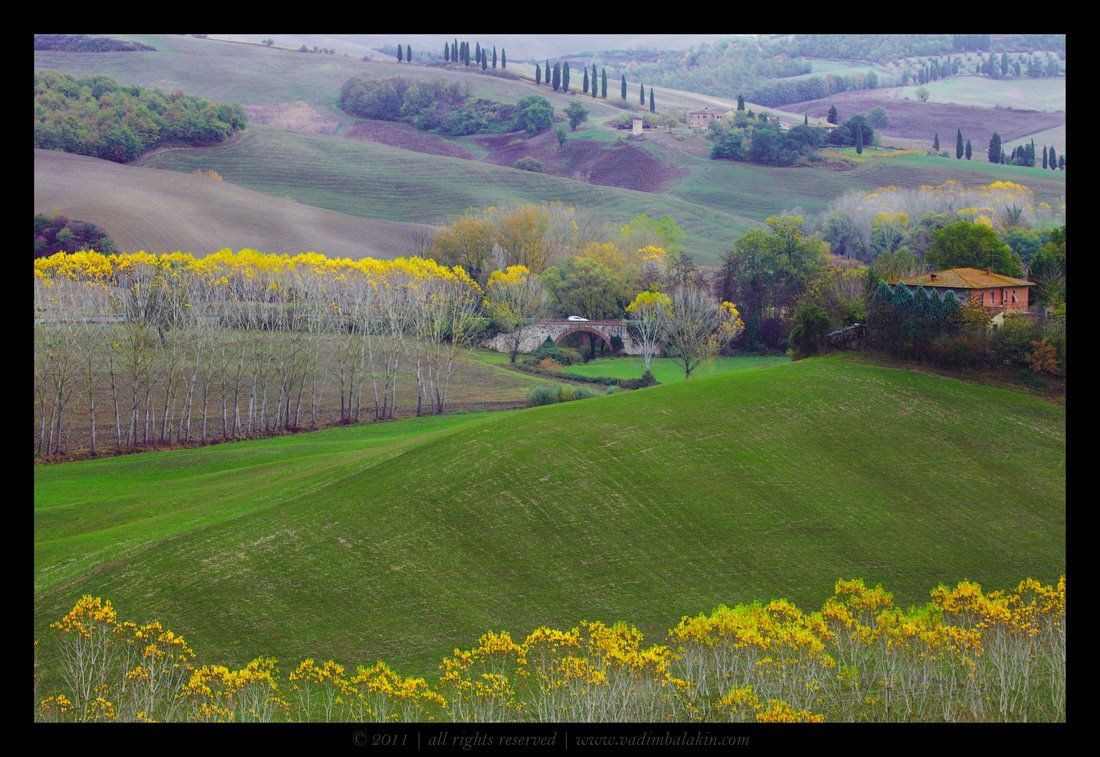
(459, 52)
(172, 349)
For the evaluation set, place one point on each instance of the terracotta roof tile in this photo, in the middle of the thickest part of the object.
(965, 278)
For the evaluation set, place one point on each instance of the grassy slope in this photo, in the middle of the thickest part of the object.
(640, 506)
(982, 92)
(667, 372)
(377, 181)
(145, 209)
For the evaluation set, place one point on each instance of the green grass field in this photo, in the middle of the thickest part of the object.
(983, 92)
(667, 372)
(404, 540)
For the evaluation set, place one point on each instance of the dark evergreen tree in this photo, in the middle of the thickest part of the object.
(1044, 156)
(503, 59)
(494, 57)
(446, 53)
(538, 75)
(603, 83)
(652, 107)
(477, 53)
(833, 117)
(556, 82)
(959, 148)
(741, 103)
(409, 53)
(995, 148)
(859, 139)
(641, 94)
(584, 84)
(622, 87)
(968, 150)
(565, 76)
(484, 60)
(936, 142)
(805, 119)
(400, 52)
(595, 82)
(1062, 162)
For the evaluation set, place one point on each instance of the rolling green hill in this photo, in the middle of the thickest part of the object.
(377, 181)
(404, 540)
(157, 211)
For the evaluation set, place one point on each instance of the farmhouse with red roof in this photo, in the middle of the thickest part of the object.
(991, 290)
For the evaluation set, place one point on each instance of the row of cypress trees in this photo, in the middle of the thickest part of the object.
(459, 52)
(596, 86)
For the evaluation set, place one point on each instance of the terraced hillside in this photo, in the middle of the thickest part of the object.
(399, 541)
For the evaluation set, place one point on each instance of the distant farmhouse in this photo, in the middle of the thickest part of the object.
(993, 291)
(700, 119)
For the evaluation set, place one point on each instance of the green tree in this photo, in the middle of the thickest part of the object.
(936, 142)
(565, 76)
(538, 75)
(494, 57)
(959, 149)
(584, 84)
(534, 114)
(503, 59)
(859, 139)
(963, 244)
(832, 117)
(769, 268)
(968, 149)
(641, 94)
(446, 52)
(576, 113)
(408, 53)
(400, 53)
(588, 288)
(741, 105)
(809, 325)
(995, 148)
(622, 86)
(603, 83)
(595, 82)
(556, 82)
(652, 107)
(560, 134)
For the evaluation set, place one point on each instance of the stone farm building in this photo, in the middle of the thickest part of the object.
(700, 119)
(995, 291)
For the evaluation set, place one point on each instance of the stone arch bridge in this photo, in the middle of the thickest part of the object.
(558, 329)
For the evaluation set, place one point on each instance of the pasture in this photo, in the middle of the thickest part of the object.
(667, 372)
(397, 541)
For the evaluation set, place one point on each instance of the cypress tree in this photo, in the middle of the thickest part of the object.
(584, 86)
(995, 148)
(557, 77)
(833, 117)
(409, 53)
(622, 87)
(503, 59)
(652, 109)
(859, 138)
(1044, 156)
(477, 53)
(484, 60)
(565, 76)
(603, 83)
(399, 52)
(1053, 159)
(538, 75)
(740, 102)
(968, 149)
(805, 119)
(1062, 162)
(454, 52)
(641, 94)
(959, 149)
(494, 56)
(595, 89)
(936, 142)
(446, 52)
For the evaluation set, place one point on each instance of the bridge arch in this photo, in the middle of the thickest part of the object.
(582, 329)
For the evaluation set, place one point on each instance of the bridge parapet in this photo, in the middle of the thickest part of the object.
(558, 329)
